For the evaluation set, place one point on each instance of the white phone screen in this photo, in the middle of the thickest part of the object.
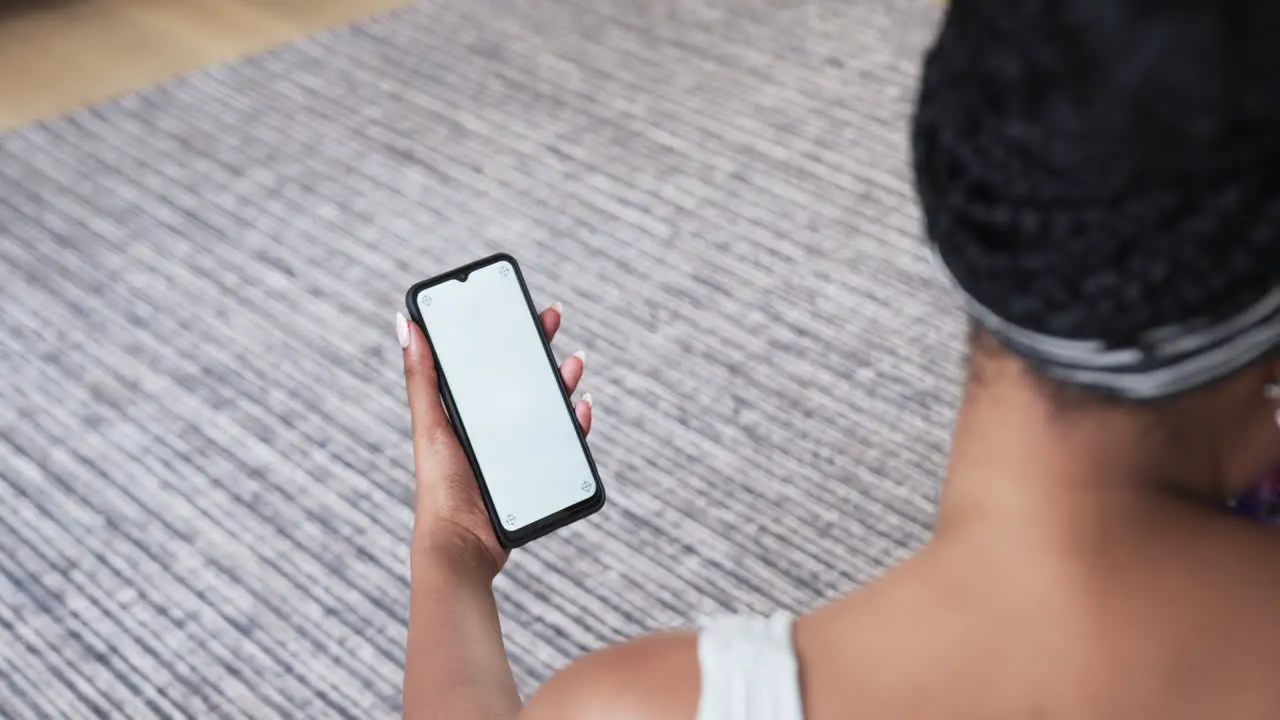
(507, 395)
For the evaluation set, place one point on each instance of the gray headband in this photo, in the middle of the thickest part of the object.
(1170, 360)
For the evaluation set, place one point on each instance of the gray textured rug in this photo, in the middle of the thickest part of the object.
(204, 463)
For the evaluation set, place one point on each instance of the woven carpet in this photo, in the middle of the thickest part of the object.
(204, 460)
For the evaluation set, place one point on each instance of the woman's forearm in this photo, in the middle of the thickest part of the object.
(455, 665)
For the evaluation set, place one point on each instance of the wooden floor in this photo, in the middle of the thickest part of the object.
(56, 55)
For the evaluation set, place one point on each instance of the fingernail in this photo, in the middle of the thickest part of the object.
(582, 357)
(587, 399)
(402, 330)
(557, 307)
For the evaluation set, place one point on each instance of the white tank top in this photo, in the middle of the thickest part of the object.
(749, 669)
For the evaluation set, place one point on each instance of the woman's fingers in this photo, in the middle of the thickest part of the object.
(550, 319)
(583, 411)
(571, 370)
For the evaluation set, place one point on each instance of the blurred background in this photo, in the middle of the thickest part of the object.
(57, 55)
(209, 213)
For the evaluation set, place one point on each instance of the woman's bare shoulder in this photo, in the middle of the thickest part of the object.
(651, 677)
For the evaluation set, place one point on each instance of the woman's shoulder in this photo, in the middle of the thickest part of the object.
(650, 677)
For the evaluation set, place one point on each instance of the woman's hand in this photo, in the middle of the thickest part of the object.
(450, 513)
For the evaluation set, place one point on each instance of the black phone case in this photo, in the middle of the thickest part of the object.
(551, 523)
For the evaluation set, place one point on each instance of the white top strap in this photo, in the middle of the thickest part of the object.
(749, 669)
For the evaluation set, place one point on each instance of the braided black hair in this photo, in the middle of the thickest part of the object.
(1095, 169)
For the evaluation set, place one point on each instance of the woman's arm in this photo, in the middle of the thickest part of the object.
(455, 664)
(457, 667)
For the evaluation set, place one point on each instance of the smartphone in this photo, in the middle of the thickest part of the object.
(502, 389)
